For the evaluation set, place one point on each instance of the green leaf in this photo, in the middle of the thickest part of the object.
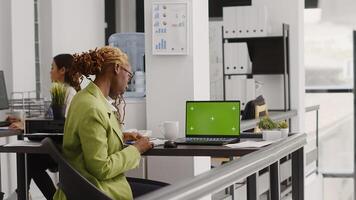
(58, 93)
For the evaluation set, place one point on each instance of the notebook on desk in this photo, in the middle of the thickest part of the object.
(211, 123)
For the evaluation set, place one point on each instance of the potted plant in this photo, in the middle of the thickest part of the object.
(58, 94)
(269, 129)
(283, 127)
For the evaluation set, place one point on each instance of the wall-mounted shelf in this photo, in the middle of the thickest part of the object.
(267, 53)
(269, 56)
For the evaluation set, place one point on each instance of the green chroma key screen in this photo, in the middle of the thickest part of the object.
(213, 118)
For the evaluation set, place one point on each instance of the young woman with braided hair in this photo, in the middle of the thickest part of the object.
(93, 141)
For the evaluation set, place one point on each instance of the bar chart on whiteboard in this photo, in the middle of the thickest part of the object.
(169, 31)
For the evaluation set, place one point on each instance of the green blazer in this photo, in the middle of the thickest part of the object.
(93, 144)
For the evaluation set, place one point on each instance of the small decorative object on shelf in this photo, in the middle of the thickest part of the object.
(58, 94)
(269, 129)
(283, 127)
(266, 123)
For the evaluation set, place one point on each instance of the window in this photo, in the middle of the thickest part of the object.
(329, 82)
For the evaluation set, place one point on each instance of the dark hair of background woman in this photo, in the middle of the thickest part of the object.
(71, 77)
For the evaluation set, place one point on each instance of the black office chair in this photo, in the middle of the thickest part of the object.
(70, 179)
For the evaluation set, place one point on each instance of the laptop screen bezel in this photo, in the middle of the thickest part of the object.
(212, 136)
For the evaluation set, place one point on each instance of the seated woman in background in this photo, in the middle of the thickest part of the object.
(60, 72)
(93, 141)
(37, 164)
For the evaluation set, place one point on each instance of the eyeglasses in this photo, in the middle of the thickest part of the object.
(128, 72)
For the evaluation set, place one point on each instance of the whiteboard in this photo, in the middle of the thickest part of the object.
(169, 28)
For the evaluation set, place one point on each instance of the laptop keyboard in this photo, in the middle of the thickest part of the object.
(208, 139)
(211, 141)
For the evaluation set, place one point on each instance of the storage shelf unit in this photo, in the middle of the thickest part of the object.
(269, 56)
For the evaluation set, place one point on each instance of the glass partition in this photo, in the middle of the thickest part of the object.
(328, 52)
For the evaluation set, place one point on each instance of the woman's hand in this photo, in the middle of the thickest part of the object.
(16, 125)
(133, 136)
(143, 144)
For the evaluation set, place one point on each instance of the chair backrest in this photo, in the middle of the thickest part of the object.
(255, 109)
(73, 184)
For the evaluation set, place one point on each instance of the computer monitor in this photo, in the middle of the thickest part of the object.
(213, 118)
(4, 102)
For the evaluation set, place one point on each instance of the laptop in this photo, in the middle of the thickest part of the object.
(211, 123)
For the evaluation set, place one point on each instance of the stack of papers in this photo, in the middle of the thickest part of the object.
(250, 144)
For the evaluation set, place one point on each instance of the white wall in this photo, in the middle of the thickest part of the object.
(23, 46)
(170, 82)
(200, 40)
(18, 62)
(125, 16)
(5, 41)
(6, 66)
(340, 12)
(135, 116)
(77, 25)
(45, 39)
(216, 67)
(68, 27)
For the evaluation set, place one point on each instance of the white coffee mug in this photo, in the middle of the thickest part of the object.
(170, 129)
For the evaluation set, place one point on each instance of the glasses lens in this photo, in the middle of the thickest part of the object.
(129, 73)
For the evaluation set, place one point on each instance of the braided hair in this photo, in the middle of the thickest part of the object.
(94, 61)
